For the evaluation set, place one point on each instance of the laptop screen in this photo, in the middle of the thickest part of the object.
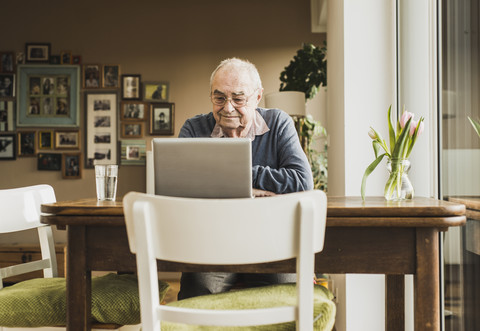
(203, 167)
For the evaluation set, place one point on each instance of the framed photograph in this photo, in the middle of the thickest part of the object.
(133, 152)
(67, 139)
(77, 59)
(49, 161)
(7, 85)
(133, 111)
(66, 57)
(8, 146)
(101, 109)
(37, 52)
(91, 76)
(20, 58)
(26, 143)
(131, 87)
(72, 166)
(111, 76)
(155, 91)
(55, 59)
(48, 96)
(7, 62)
(131, 130)
(45, 139)
(7, 115)
(162, 117)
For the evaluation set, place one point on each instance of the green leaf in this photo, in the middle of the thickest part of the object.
(368, 171)
(476, 125)
(398, 151)
(391, 131)
(381, 142)
(414, 138)
(376, 147)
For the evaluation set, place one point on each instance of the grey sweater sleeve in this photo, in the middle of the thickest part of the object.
(284, 167)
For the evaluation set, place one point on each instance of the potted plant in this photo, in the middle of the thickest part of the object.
(305, 73)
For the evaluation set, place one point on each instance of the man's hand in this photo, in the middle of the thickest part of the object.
(261, 193)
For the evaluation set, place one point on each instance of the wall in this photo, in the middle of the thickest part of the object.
(177, 41)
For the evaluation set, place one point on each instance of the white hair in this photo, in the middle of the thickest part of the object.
(243, 65)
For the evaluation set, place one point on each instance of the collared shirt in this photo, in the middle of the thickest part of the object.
(258, 128)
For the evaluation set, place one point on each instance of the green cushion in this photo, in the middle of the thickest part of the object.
(259, 297)
(42, 301)
(35, 302)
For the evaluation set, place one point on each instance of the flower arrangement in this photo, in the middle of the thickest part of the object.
(476, 125)
(402, 139)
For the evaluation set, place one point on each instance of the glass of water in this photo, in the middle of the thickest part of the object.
(106, 180)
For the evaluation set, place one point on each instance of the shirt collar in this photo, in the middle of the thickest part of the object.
(258, 128)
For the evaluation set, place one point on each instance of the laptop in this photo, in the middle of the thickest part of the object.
(203, 167)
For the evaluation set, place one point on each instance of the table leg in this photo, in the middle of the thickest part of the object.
(395, 302)
(427, 281)
(78, 281)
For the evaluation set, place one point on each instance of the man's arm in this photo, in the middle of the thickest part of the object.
(293, 173)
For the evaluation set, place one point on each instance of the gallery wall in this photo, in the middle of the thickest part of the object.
(180, 42)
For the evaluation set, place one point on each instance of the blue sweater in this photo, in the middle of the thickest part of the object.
(279, 163)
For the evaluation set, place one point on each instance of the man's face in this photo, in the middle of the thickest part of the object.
(231, 83)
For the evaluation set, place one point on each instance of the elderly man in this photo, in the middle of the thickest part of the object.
(279, 163)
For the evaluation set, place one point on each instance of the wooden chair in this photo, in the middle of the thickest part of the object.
(228, 232)
(43, 298)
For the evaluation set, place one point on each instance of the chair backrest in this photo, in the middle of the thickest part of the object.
(247, 230)
(20, 208)
(224, 231)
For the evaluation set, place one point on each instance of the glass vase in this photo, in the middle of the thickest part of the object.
(399, 186)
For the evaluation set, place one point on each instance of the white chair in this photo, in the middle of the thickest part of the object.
(226, 232)
(20, 209)
(43, 298)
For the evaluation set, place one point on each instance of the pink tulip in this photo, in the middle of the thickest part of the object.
(405, 117)
(372, 134)
(420, 129)
(413, 126)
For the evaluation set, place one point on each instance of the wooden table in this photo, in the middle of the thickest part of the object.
(372, 237)
(470, 261)
(472, 240)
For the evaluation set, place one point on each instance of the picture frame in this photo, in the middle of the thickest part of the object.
(92, 76)
(111, 76)
(37, 52)
(52, 104)
(133, 152)
(77, 59)
(55, 59)
(27, 143)
(7, 85)
(156, 91)
(162, 118)
(131, 87)
(45, 139)
(101, 109)
(132, 130)
(133, 111)
(7, 115)
(66, 57)
(67, 139)
(49, 161)
(7, 62)
(71, 165)
(20, 58)
(8, 146)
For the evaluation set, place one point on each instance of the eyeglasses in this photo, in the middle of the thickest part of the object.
(237, 101)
